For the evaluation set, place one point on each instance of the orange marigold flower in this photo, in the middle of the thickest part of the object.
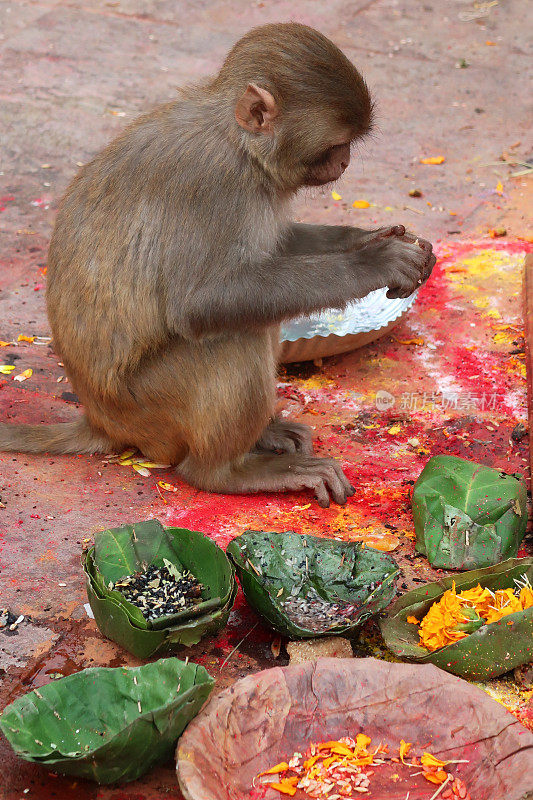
(526, 597)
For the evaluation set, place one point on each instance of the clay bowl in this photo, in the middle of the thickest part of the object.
(333, 332)
(264, 718)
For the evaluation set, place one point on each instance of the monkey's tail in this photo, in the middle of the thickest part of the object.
(63, 438)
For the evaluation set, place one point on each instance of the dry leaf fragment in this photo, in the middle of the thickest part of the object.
(276, 646)
(23, 375)
(433, 160)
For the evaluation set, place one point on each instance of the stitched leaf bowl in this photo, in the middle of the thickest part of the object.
(131, 548)
(466, 515)
(490, 650)
(282, 572)
(107, 724)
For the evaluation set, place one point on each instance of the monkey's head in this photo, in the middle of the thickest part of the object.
(298, 101)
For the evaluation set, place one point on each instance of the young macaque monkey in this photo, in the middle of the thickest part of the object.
(173, 262)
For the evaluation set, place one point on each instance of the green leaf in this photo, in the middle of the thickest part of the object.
(487, 652)
(467, 515)
(130, 548)
(107, 724)
(277, 569)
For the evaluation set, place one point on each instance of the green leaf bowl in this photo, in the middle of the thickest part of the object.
(123, 551)
(466, 515)
(275, 566)
(486, 653)
(107, 724)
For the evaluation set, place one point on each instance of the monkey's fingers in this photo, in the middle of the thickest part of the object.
(324, 476)
(394, 294)
(393, 230)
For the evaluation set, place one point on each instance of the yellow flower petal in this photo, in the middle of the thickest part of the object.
(285, 787)
(6, 369)
(23, 375)
(360, 204)
(362, 741)
(394, 430)
(526, 597)
(336, 196)
(436, 777)
(433, 160)
(141, 470)
(167, 486)
(429, 760)
(404, 749)
(281, 767)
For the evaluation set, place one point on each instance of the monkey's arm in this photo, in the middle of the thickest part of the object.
(304, 239)
(252, 296)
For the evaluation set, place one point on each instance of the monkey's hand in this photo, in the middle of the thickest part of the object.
(395, 259)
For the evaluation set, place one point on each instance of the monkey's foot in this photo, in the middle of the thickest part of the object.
(267, 472)
(283, 436)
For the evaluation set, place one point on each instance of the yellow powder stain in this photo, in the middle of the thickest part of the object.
(504, 337)
(481, 302)
(493, 313)
(490, 263)
(48, 555)
(315, 382)
(516, 366)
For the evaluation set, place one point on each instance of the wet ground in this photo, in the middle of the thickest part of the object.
(449, 80)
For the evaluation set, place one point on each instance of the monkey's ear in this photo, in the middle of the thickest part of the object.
(256, 110)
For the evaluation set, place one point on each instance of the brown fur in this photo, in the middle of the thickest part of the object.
(173, 262)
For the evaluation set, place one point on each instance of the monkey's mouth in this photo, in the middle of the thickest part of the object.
(328, 169)
(321, 175)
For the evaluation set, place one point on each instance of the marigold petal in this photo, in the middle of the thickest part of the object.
(429, 760)
(281, 767)
(436, 777)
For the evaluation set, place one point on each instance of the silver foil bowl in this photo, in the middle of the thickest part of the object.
(332, 332)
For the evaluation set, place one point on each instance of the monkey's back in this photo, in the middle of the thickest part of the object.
(136, 230)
